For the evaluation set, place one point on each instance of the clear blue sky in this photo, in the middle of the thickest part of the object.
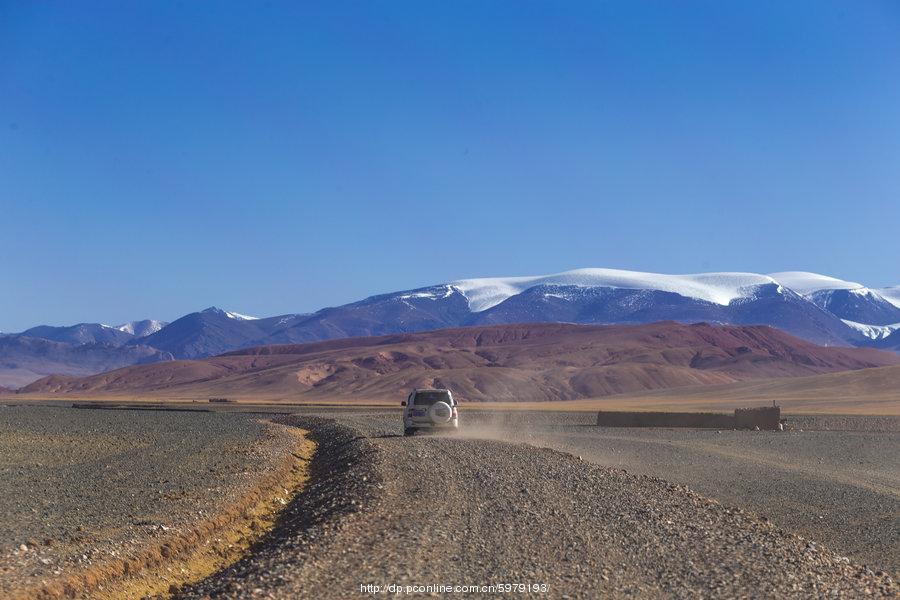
(160, 157)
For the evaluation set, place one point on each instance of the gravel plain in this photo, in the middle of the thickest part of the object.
(830, 483)
(386, 510)
(540, 499)
(81, 486)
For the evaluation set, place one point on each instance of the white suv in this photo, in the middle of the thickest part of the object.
(429, 409)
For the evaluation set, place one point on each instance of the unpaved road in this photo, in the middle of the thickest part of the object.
(469, 511)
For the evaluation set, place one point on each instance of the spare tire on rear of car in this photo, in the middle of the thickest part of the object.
(440, 413)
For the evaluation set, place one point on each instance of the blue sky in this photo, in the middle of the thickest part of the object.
(160, 157)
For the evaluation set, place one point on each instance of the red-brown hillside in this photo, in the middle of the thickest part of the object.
(507, 362)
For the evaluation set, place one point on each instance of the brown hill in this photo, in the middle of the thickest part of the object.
(507, 362)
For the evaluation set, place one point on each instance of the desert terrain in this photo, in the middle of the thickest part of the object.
(512, 363)
(87, 496)
(517, 497)
(297, 483)
(865, 392)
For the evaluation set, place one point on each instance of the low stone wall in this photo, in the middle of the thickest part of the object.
(766, 417)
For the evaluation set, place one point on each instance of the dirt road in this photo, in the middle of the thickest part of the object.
(386, 510)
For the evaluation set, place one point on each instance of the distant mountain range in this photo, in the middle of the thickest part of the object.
(820, 309)
(24, 359)
(94, 333)
(537, 361)
(213, 331)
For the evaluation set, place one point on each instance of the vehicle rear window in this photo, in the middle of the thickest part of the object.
(429, 398)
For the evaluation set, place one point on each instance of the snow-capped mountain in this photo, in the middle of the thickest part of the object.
(891, 294)
(865, 310)
(582, 296)
(82, 333)
(805, 283)
(213, 331)
(227, 313)
(875, 332)
(716, 288)
(815, 307)
(861, 305)
(142, 328)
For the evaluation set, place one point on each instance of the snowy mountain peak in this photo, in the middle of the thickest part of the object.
(141, 328)
(240, 317)
(874, 332)
(805, 283)
(231, 315)
(891, 294)
(717, 288)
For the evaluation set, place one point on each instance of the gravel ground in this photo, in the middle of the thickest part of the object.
(845, 423)
(384, 509)
(80, 486)
(833, 486)
(521, 498)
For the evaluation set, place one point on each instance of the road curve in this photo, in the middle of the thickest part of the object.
(387, 510)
